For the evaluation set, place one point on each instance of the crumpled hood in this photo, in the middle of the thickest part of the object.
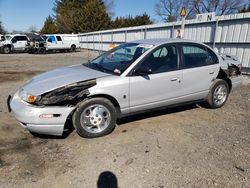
(60, 77)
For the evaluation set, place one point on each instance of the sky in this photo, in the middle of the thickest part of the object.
(20, 15)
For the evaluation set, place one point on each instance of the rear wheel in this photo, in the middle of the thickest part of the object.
(218, 94)
(94, 118)
(6, 49)
(73, 48)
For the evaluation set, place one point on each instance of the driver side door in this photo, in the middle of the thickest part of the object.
(162, 86)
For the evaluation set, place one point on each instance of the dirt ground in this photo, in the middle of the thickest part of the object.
(186, 146)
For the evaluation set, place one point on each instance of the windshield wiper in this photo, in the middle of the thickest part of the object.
(100, 67)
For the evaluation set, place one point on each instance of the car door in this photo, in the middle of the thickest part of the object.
(16, 43)
(51, 43)
(23, 42)
(60, 44)
(162, 85)
(200, 67)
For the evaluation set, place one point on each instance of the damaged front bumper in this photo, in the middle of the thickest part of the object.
(49, 120)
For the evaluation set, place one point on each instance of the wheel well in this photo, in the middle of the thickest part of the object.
(111, 99)
(73, 45)
(8, 45)
(222, 75)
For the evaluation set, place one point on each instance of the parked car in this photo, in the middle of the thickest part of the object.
(132, 78)
(14, 43)
(62, 42)
(36, 44)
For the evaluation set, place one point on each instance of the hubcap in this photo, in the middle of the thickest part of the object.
(95, 118)
(6, 50)
(220, 95)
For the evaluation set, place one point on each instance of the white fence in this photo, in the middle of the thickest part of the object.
(230, 34)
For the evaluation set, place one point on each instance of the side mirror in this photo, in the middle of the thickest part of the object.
(142, 71)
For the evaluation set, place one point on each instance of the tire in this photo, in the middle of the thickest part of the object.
(73, 48)
(6, 49)
(94, 117)
(41, 50)
(218, 94)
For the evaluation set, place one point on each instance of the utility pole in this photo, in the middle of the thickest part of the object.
(183, 17)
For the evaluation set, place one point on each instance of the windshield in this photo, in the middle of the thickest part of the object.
(8, 37)
(44, 37)
(117, 60)
(34, 37)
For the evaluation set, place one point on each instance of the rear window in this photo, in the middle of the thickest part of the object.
(196, 56)
(21, 38)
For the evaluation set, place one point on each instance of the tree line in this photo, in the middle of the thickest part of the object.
(74, 16)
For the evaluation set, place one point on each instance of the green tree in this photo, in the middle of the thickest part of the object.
(95, 16)
(73, 16)
(49, 26)
(130, 21)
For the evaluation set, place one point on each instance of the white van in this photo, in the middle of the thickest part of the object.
(62, 42)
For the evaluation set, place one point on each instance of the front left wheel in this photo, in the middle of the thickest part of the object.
(95, 117)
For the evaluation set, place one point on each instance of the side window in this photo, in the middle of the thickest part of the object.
(52, 39)
(18, 38)
(196, 56)
(161, 60)
(58, 38)
(14, 39)
(212, 58)
(22, 38)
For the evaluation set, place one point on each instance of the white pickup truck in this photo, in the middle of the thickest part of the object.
(62, 42)
(13, 43)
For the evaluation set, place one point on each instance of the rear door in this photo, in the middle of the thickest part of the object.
(60, 44)
(200, 67)
(162, 86)
(19, 42)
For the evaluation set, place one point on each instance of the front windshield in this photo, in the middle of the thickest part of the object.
(35, 37)
(117, 60)
(8, 37)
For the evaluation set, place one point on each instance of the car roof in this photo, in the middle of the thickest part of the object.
(160, 41)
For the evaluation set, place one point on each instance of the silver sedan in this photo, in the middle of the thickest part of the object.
(131, 78)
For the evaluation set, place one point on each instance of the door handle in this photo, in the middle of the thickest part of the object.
(211, 73)
(174, 79)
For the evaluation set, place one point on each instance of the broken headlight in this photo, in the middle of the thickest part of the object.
(66, 95)
(27, 97)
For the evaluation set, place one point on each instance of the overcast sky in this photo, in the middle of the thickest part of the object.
(21, 14)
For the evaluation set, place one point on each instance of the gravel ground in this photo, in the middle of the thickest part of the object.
(186, 146)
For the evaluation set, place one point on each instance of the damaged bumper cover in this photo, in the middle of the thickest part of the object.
(39, 119)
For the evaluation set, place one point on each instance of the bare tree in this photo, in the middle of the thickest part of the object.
(220, 7)
(32, 29)
(110, 6)
(169, 10)
(2, 31)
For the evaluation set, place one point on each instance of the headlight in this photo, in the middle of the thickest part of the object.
(27, 97)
